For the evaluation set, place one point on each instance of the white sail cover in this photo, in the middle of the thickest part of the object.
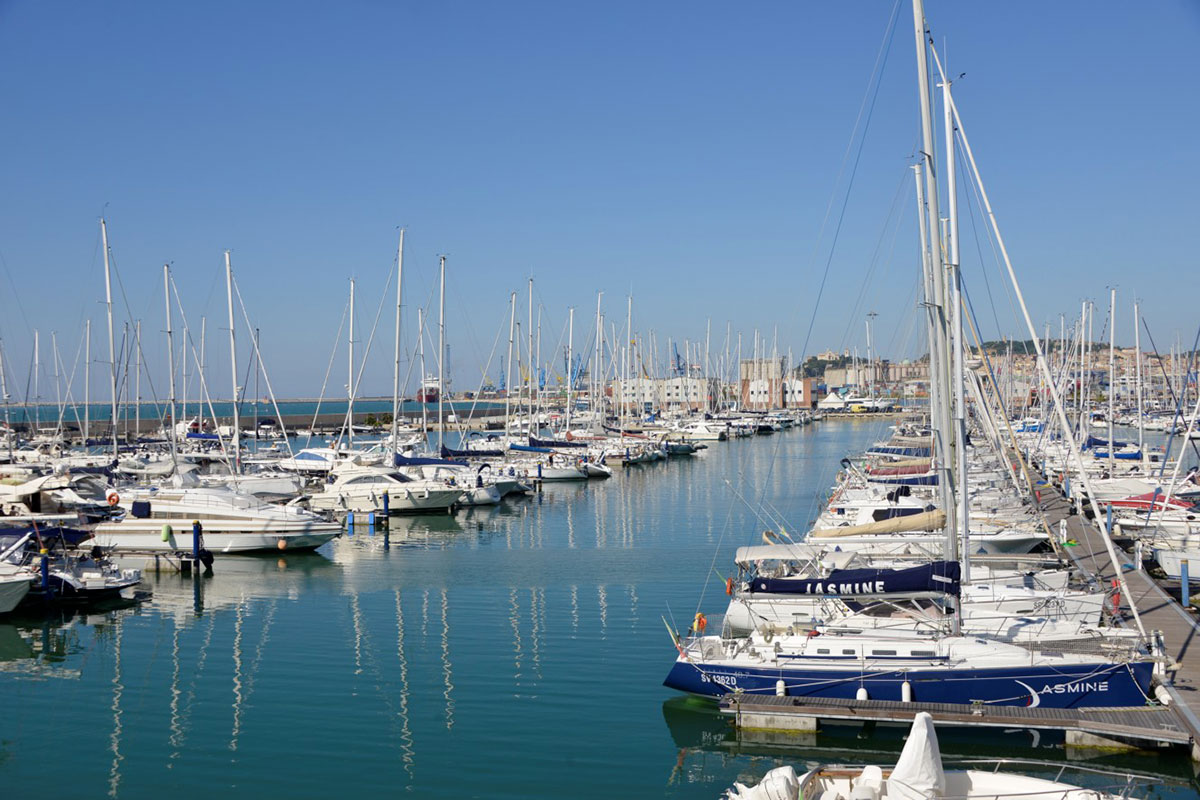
(918, 773)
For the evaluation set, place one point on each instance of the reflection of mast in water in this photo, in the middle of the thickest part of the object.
(237, 677)
(356, 617)
(601, 521)
(574, 608)
(534, 633)
(268, 618)
(114, 774)
(603, 610)
(571, 525)
(516, 628)
(176, 737)
(425, 614)
(405, 731)
(633, 603)
(446, 674)
(191, 695)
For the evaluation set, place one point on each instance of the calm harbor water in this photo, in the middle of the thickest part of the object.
(510, 652)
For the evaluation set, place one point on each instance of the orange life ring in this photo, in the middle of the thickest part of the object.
(113, 498)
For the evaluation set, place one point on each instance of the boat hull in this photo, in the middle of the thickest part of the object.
(220, 536)
(1057, 686)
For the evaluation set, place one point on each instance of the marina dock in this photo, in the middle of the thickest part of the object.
(1176, 724)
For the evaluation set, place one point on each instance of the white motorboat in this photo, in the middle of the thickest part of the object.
(14, 585)
(366, 489)
(160, 519)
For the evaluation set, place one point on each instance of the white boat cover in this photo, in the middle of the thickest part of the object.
(780, 783)
(918, 775)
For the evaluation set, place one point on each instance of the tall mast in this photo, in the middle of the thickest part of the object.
(441, 354)
(396, 366)
(137, 380)
(1112, 373)
(1137, 347)
(203, 367)
(570, 362)
(939, 368)
(597, 370)
(350, 374)
(87, 381)
(58, 406)
(170, 360)
(512, 324)
(956, 314)
(237, 427)
(421, 354)
(8, 431)
(112, 349)
(529, 354)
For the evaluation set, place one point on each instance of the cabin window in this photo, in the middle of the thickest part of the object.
(822, 651)
(924, 653)
(848, 652)
(883, 652)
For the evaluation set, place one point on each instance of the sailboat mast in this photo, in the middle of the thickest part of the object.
(1137, 347)
(87, 381)
(1112, 373)
(423, 397)
(512, 324)
(956, 312)
(939, 368)
(137, 380)
(396, 350)
(237, 427)
(112, 349)
(597, 370)
(170, 362)
(570, 362)
(350, 374)
(8, 431)
(529, 366)
(441, 355)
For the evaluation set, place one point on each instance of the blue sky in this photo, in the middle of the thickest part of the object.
(686, 153)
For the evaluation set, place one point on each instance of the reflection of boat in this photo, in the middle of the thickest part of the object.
(237, 580)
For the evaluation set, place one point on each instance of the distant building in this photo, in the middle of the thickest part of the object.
(665, 394)
(761, 383)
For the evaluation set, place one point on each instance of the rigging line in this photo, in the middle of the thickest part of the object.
(1171, 389)
(483, 378)
(974, 196)
(384, 297)
(262, 367)
(204, 393)
(880, 62)
(895, 213)
(328, 369)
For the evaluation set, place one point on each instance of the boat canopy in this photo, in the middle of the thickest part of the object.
(535, 442)
(942, 577)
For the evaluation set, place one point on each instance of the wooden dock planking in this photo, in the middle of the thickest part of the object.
(1155, 725)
